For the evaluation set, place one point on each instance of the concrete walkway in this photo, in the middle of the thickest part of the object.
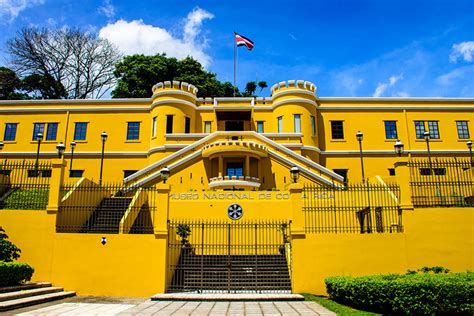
(200, 308)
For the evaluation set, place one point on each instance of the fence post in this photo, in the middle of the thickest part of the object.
(402, 174)
(297, 215)
(57, 176)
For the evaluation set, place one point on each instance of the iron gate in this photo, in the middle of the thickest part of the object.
(229, 257)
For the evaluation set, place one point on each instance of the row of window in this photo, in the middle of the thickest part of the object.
(80, 131)
(337, 129)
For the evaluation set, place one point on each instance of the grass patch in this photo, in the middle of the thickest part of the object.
(337, 308)
(27, 199)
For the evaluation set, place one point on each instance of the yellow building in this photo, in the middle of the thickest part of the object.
(311, 185)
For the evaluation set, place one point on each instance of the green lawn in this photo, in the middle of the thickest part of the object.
(27, 199)
(335, 307)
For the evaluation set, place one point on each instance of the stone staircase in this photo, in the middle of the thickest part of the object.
(14, 297)
(231, 274)
(106, 218)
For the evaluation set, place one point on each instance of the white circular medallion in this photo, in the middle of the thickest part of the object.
(235, 211)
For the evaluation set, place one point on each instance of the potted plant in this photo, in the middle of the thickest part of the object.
(183, 231)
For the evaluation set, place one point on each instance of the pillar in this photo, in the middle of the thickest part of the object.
(297, 215)
(247, 166)
(57, 177)
(221, 166)
(161, 214)
(402, 174)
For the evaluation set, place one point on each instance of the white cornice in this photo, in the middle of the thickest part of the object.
(61, 110)
(292, 101)
(396, 107)
(174, 92)
(394, 99)
(189, 135)
(77, 101)
(292, 92)
(170, 102)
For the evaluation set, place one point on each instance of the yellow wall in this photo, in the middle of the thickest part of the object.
(432, 237)
(128, 265)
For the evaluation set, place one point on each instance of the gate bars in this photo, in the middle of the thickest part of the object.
(218, 256)
(355, 208)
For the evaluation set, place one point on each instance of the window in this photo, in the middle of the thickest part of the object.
(207, 127)
(51, 131)
(313, 126)
(433, 128)
(337, 129)
(297, 121)
(280, 124)
(133, 131)
(391, 129)
(187, 125)
(260, 128)
(235, 169)
(434, 171)
(128, 173)
(33, 173)
(422, 126)
(391, 171)
(419, 129)
(76, 173)
(38, 128)
(80, 131)
(10, 131)
(342, 173)
(169, 124)
(153, 127)
(463, 129)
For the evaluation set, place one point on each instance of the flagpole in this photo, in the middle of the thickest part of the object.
(235, 63)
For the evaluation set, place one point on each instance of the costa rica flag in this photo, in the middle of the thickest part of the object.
(243, 41)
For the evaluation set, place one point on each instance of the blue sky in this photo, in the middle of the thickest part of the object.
(379, 48)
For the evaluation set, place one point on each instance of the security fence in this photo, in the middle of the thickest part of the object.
(24, 185)
(355, 208)
(87, 207)
(219, 256)
(441, 182)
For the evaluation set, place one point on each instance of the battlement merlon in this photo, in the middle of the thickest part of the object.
(293, 85)
(163, 87)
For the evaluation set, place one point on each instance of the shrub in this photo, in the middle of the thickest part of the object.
(420, 294)
(8, 251)
(13, 273)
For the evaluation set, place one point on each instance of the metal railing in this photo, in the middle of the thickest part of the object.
(24, 185)
(87, 207)
(443, 182)
(356, 208)
(229, 257)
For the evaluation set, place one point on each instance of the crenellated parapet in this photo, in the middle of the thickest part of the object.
(173, 86)
(293, 85)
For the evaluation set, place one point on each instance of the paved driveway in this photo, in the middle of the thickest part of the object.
(185, 308)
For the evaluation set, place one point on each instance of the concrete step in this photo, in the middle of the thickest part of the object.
(226, 297)
(33, 300)
(26, 293)
(26, 286)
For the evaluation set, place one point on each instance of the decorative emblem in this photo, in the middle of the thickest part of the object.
(235, 211)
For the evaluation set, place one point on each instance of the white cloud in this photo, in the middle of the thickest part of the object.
(464, 50)
(136, 37)
(382, 87)
(193, 23)
(107, 9)
(10, 9)
(454, 75)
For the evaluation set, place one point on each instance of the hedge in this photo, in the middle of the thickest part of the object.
(420, 294)
(14, 273)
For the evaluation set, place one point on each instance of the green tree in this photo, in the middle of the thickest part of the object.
(8, 251)
(250, 88)
(137, 74)
(262, 85)
(10, 85)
